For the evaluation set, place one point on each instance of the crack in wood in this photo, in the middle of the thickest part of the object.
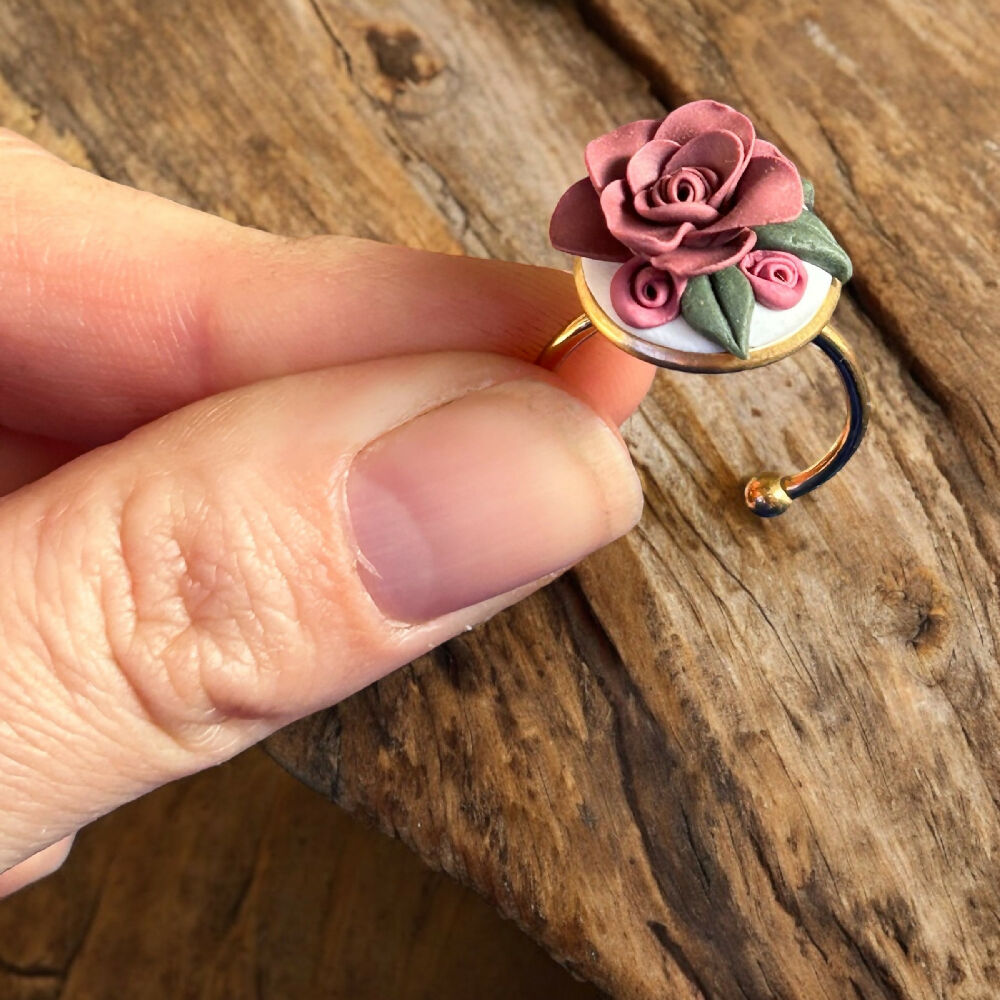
(31, 972)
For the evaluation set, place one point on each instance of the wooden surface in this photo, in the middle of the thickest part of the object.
(723, 758)
(241, 883)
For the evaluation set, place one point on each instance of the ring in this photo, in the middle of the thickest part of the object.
(698, 248)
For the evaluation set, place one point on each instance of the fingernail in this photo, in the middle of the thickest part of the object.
(484, 495)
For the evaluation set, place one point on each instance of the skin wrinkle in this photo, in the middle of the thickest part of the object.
(200, 332)
(47, 615)
(129, 292)
(26, 747)
(71, 649)
(311, 580)
(282, 556)
(75, 634)
(158, 628)
(227, 608)
(43, 707)
(166, 320)
(226, 612)
(269, 613)
(83, 772)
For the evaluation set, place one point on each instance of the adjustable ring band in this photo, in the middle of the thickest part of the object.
(770, 494)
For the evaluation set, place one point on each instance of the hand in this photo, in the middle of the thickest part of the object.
(244, 476)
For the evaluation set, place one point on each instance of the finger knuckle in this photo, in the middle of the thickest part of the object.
(214, 600)
(189, 602)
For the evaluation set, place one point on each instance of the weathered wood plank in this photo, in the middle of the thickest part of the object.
(750, 760)
(243, 883)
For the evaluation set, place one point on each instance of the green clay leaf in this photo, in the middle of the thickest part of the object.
(808, 194)
(736, 297)
(807, 238)
(719, 305)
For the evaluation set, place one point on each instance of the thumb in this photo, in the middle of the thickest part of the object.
(175, 596)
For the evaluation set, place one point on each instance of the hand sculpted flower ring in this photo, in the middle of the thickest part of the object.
(698, 249)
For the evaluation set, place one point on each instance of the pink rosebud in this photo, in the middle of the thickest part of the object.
(778, 279)
(645, 296)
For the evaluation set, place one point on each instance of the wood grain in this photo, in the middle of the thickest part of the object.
(722, 758)
(243, 883)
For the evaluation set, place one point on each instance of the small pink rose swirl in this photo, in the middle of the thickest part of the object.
(778, 279)
(645, 296)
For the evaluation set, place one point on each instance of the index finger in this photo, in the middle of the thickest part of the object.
(120, 306)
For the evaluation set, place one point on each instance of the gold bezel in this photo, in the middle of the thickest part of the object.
(689, 361)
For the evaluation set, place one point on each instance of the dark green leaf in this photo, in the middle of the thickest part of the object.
(719, 305)
(806, 237)
(808, 194)
(736, 297)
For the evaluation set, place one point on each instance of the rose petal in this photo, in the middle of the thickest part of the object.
(687, 261)
(636, 233)
(690, 120)
(769, 191)
(698, 212)
(578, 226)
(764, 148)
(720, 152)
(608, 156)
(646, 167)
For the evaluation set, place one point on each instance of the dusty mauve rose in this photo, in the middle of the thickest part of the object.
(778, 279)
(644, 296)
(682, 193)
